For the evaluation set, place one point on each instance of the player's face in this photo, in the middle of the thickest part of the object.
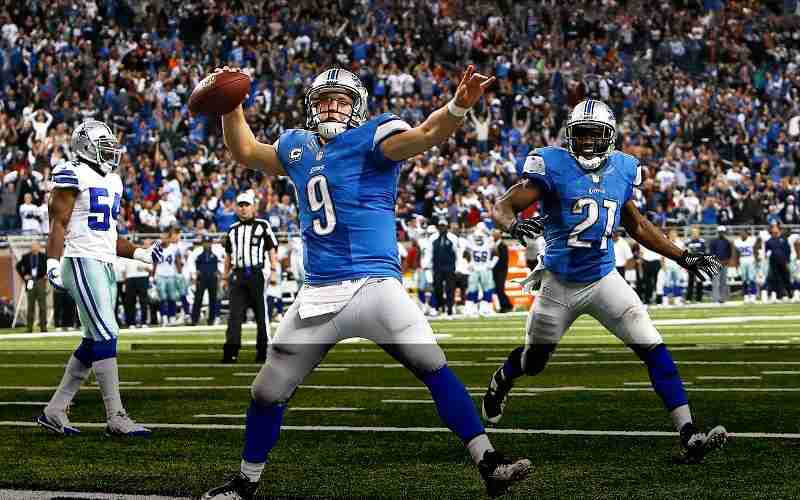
(244, 210)
(335, 106)
(588, 140)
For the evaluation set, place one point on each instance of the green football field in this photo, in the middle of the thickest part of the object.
(363, 427)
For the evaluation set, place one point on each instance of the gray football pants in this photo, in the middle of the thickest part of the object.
(380, 311)
(610, 300)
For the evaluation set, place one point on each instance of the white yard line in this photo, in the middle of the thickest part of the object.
(715, 377)
(290, 408)
(784, 372)
(345, 428)
(47, 495)
(179, 379)
(23, 403)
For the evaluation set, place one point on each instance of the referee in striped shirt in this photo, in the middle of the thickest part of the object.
(248, 244)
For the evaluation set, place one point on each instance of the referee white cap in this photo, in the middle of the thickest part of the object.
(246, 197)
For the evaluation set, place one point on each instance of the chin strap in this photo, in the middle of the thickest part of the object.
(593, 163)
(329, 130)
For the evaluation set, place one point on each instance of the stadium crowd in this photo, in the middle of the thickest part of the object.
(707, 94)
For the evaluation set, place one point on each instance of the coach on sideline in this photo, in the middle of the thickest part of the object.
(247, 244)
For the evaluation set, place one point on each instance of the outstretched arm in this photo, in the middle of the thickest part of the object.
(643, 231)
(151, 255)
(441, 123)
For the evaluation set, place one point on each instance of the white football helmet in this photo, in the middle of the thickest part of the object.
(590, 133)
(94, 142)
(335, 80)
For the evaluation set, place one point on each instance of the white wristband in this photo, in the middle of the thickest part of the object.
(53, 263)
(143, 255)
(456, 110)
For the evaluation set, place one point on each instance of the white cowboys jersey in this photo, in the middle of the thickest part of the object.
(481, 254)
(426, 252)
(745, 249)
(166, 268)
(92, 229)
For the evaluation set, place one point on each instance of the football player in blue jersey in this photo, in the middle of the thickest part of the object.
(345, 169)
(586, 192)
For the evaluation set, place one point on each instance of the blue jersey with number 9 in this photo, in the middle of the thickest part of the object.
(583, 209)
(346, 193)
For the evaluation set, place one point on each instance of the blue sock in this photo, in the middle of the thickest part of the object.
(85, 352)
(488, 295)
(171, 308)
(186, 309)
(162, 308)
(472, 296)
(678, 291)
(664, 376)
(512, 368)
(262, 428)
(454, 404)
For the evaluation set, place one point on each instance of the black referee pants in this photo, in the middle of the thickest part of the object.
(136, 289)
(246, 290)
(444, 282)
(205, 282)
(651, 268)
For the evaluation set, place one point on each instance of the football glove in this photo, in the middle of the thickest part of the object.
(527, 228)
(54, 274)
(702, 265)
(152, 255)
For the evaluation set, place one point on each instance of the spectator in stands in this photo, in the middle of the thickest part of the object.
(32, 268)
(30, 215)
(9, 218)
(722, 247)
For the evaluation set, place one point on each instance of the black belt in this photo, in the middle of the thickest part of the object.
(248, 270)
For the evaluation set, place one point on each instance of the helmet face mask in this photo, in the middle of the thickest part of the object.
(591, 133)
(333, 88)
(94, 142)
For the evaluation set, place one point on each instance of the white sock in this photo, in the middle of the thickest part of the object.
(108, 379)
(681, 416)
(252, 471)
(478, 446)
(74, 375)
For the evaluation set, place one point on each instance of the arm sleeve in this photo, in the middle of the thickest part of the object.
(388, 125)
(535, 170)
(65, 175)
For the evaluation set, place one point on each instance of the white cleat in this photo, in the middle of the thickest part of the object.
(122, 425)
(57, 422)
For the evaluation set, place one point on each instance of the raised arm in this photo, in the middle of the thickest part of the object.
(441, 124)
(242, 143)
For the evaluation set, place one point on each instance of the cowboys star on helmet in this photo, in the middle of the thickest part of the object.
(95, 143)
(590, 133)
(335, 81)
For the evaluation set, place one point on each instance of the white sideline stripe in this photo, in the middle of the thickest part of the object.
(786, 372)
(398, 365)
(640, 383)
(407, 401)
(178, 379)
(47, 495)
(23, 403)
(290, 408)
(518, 391)
(346, 428)
(122, 382)
(714, 377)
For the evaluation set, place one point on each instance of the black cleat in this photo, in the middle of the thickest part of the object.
(695, 445)
(496, 397)
(238, 488)
(499, 472)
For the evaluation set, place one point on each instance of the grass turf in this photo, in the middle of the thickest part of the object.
(582, 389)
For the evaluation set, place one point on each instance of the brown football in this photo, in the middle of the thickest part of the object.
(219, 93)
